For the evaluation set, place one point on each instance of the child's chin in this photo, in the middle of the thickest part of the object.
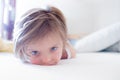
(46, 64)
(50, 64)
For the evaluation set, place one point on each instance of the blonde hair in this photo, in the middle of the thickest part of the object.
(36, 23)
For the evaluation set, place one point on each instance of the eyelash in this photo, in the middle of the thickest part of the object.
(54, 48)
(34, 52)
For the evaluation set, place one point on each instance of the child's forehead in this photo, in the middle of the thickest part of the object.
(47, 41)
(49, 36)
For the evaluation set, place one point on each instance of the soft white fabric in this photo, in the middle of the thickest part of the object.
(114, 48)
(99, 40)
(88, 66)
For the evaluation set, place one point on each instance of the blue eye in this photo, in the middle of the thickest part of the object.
(34, 52)
(54, 48)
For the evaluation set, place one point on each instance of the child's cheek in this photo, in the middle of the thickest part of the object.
(35, 62)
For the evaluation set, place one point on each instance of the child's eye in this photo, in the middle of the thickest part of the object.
(53, 48)
(34, 52)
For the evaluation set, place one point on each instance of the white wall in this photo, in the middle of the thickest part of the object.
(83, 16)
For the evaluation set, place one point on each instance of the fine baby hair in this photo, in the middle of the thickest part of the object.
(35, 24)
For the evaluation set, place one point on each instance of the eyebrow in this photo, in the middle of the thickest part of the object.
(55, 45)
(30, 49)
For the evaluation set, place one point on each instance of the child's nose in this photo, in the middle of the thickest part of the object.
(46, 59)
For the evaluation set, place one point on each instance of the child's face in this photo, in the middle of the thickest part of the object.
(45, 51)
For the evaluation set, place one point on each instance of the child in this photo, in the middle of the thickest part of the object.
(40, 37)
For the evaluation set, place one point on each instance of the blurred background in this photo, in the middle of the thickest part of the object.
(7, 18)
(83, 16)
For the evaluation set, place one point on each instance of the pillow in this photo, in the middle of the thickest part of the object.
(99, 40)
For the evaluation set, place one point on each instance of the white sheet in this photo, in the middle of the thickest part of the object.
(87, 66)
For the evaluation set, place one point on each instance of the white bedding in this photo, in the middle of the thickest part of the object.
(87, 66)
(100, 39)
